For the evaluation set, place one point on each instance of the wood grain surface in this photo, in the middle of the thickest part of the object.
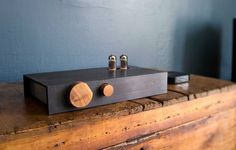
(107, 89)
(80, 95)
(212, 132)
(147, 123)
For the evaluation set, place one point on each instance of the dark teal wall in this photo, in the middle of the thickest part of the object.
(184, 35)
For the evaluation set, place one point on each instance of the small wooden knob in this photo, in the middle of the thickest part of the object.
(107, 89)
(80, 95)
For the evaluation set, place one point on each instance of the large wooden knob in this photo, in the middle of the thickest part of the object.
(80, 95)
(107, 89)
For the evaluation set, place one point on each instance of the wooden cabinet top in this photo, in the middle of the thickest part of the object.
(25, 123)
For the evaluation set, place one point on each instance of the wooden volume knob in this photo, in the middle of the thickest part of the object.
(80, 95)
(107, 89)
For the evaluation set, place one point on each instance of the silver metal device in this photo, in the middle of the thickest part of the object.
(124, 62)
(112, 62)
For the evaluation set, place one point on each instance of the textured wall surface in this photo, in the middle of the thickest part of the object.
(46, 35)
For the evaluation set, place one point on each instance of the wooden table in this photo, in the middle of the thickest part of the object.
(200, 114)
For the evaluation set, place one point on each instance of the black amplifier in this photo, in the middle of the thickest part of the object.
(78, 89)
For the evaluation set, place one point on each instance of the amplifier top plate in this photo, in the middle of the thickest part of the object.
(61, 77)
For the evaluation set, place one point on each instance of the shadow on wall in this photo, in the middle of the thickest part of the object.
(201, 48)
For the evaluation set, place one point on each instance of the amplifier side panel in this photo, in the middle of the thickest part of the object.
(35, 89)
